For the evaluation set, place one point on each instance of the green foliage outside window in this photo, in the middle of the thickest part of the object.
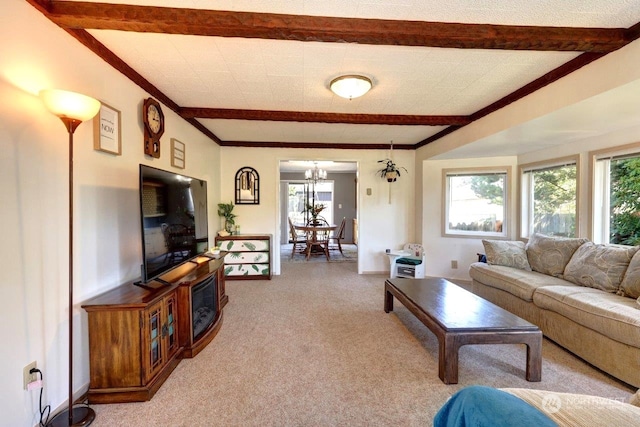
(489, 187)
(554, 198)
(554, 205)
(625, 201)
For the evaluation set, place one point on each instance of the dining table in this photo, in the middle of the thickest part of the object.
(314, 244)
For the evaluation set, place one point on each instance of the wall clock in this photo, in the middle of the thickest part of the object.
(153, 119)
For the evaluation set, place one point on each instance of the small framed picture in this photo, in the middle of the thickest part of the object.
(177, 154)
(106, 130)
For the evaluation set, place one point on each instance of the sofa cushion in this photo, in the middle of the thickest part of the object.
(520, 283)
(507, 253)
(609, 314)
(550, 255)
(568, 409)
(599, 266)
(630, 285)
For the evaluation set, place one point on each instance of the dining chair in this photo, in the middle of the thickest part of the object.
(295, 237)
(319, 239)
(338, 236)
(320, 220)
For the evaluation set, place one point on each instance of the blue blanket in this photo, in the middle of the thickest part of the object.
(480, 406)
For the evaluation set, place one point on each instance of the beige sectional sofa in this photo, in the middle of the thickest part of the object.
(573, 410)
(583, 296)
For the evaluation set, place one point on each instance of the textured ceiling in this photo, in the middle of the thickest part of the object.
(233, 73)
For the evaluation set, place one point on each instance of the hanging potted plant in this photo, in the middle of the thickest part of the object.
(390, 171)
(225, 210)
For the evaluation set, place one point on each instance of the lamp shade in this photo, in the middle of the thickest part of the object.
(70, 105)
(350, 86)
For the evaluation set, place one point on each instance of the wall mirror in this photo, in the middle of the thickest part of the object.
(247, 186)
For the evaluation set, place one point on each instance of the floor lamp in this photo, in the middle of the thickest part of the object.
(72, 108)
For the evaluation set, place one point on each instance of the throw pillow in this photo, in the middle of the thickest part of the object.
(550, 255)
(630, 286)
(599, 266)
(507, 253)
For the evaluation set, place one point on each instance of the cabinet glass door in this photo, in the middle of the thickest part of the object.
(154, 339)
(171, 330)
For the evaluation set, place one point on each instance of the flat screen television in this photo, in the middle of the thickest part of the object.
(173, 213)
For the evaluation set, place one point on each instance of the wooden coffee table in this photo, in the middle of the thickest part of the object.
(458, 317)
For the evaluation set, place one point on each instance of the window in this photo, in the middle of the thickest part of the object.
(475, 202)
(300, 195)
(616, 199)
(549, 196)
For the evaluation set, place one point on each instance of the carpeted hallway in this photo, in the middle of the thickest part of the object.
(313, 347)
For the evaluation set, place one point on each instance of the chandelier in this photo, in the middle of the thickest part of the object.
(315, 174)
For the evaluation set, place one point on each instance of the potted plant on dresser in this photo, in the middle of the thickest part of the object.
(225, 210)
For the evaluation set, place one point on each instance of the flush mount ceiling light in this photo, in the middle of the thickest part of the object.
(350, 86)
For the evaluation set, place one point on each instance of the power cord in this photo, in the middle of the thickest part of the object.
(44, 413)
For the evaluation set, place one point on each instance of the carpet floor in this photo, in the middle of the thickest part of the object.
(314, 347)
(349, 254)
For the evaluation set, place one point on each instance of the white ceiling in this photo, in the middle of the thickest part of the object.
(602, 114)
(258, 74)
(329, 166)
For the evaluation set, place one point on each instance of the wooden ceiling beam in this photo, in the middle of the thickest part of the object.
(319, 117)
(326, 145)
(202, 22)
(632, 33)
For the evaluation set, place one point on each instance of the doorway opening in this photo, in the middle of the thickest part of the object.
(333, 193)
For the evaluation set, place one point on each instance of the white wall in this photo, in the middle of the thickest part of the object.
(381, 224)
(35, 55)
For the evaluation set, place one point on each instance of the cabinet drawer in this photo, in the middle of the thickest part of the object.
(238, 270)
(246, 258)
(245, 245)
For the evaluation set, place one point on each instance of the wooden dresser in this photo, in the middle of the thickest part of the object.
(249, 256)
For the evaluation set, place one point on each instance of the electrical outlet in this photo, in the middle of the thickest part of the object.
(454, 264)
(27, 376)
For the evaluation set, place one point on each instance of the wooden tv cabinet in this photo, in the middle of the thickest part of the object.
(139, 334)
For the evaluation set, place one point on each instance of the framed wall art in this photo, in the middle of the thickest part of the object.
(106, 130)
(177, 154)
(247, 186)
